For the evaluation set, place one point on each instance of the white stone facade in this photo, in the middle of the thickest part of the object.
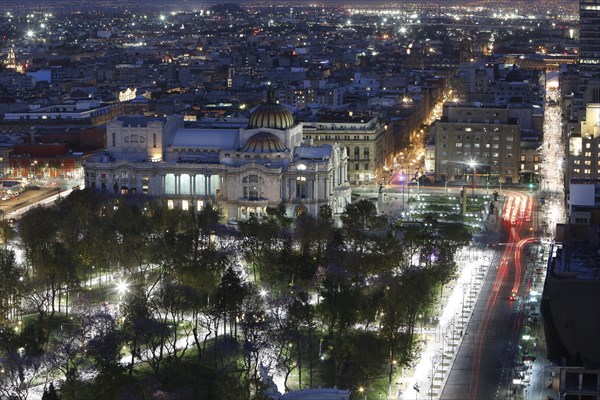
(244, 171)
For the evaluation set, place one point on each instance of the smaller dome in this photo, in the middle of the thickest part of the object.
(263, 142)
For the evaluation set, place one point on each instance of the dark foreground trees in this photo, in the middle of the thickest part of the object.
(180, 296)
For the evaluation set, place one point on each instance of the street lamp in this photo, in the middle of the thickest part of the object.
(362, 391)
(462, 314)
(433, 370)
(403, 183)
(91, 275)
(473, 165)
(122, 288)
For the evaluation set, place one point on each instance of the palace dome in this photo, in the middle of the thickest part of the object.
(271, 115)
(263, 142)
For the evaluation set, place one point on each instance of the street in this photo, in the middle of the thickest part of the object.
(481, 369)
(487, 360)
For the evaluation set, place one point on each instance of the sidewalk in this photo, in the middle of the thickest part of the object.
(538, 375)
(426, 378)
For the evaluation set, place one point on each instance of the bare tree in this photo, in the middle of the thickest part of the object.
(20, 372)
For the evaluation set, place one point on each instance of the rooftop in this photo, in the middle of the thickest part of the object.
(225, 139)
(138, 120)
(575, 255)
(313, 152)
(350, 117)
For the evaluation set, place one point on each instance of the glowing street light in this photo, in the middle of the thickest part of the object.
(122, 288)
(362, 391)
(473, 165)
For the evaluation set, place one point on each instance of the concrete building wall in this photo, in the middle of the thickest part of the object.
(495, 148)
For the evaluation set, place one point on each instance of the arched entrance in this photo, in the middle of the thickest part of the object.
(300, 210)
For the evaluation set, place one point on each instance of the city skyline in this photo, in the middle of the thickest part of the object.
(259, 200)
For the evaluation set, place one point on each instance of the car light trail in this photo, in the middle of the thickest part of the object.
(519, 206)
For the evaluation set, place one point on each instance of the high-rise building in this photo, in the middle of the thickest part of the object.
(589, 50)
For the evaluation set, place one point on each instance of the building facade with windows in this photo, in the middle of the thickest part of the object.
(589, 51)
(584, 147)
(483, 137)
(362, 135)
(243, 170)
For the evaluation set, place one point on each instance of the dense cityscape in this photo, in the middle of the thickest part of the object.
(299, 200)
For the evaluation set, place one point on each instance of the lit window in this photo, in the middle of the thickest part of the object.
(301, 187)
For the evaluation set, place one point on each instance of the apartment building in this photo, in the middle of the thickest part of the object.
(473, 141)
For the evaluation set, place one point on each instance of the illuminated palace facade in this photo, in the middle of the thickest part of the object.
(243, 170)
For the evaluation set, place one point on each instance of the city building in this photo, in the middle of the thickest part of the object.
(584, 147)
(583, 201)
(589, 51)
(530, 162)
(473, 141)
(571, 290)
(90, 112)
(243, 170)
(5, 150)
(361, 134)
(297, 97)
(45, 161)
